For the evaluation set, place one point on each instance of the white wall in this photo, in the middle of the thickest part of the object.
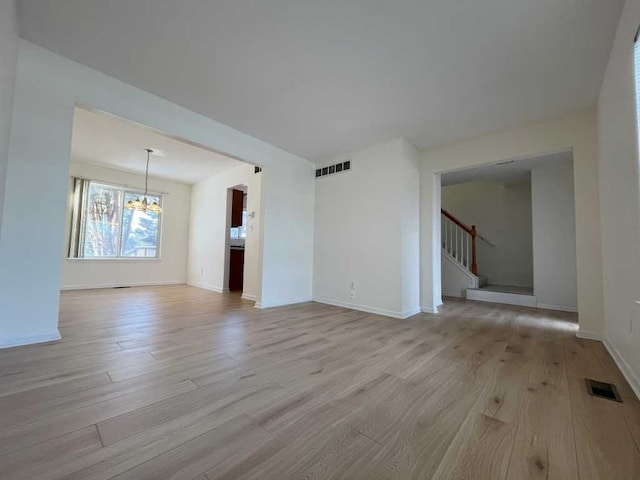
(47, 88)
(252, 244)
(554, 234)
(209, 231)
(366, 231)
(171, 268)
(577, 132)
(502, 214)
(8, 57)
(620, 212)
(410, 228)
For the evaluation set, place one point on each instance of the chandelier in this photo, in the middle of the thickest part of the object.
(143, 205)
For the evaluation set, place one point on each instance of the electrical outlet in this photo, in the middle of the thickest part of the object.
(353, 285)
(352, 295)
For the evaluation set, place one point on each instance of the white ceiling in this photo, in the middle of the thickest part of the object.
(107, 140)
(324, 77)
(512, 172)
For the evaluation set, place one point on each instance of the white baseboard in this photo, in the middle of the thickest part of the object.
(560, 308)
(248, 296)
(368, 309)
(8, 342)
(208, 287)
(411, 312)
(632, 378)
(123, 284)
(281, 303)
(454, 294)
(589, 335)
(429, 309)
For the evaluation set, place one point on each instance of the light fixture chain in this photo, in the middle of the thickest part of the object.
(146, 175)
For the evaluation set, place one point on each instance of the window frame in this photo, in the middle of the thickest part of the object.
(78, 209)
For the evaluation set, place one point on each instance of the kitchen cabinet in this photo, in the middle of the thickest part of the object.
(236, 269)
(236, 208)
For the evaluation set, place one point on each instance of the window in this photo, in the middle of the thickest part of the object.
(102, 228)
(240, 232)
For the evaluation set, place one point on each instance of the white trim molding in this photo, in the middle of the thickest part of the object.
(8, 342)
(461, 294)
(559, 308)
(208, 287)
(429, 309)
(121, 285)
(627, 371)
(589, 335)
(369, 309)
(281, 303)
(248, 296)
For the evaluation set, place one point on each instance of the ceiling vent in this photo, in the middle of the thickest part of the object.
(330, 170)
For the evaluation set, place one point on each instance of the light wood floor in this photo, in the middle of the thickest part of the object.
(181, 383)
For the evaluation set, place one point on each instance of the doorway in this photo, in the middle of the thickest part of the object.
(508, 233)
(237, 232)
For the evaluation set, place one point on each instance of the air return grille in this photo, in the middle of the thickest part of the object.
(602, 390)
(337, 168)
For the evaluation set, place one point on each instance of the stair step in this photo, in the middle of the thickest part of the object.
(481, 295)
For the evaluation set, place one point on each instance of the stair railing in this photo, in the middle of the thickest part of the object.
(459, 241)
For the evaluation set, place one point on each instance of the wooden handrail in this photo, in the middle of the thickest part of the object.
(472, 232)
(456, 221)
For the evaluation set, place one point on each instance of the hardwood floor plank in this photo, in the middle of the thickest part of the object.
(131, 451)
(632, 417)
(201, 453)
(503, 394)
(481, 450)
(27, 462)
(605, 448)
(48, 427)
(38, 395)
(415, 427)
(178, 382)
(544, 443)
(127, 424)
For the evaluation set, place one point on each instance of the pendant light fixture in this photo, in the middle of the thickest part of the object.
(143, 206)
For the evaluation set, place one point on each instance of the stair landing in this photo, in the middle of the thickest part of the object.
(507, 294)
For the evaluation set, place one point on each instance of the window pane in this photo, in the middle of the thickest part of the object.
(139, 229)
(102, 221)
(243, 229)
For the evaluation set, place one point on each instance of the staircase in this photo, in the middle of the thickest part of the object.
(459, 241)
(460, 269)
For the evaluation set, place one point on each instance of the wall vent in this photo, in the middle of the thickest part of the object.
(330, 170)
(602, 390)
